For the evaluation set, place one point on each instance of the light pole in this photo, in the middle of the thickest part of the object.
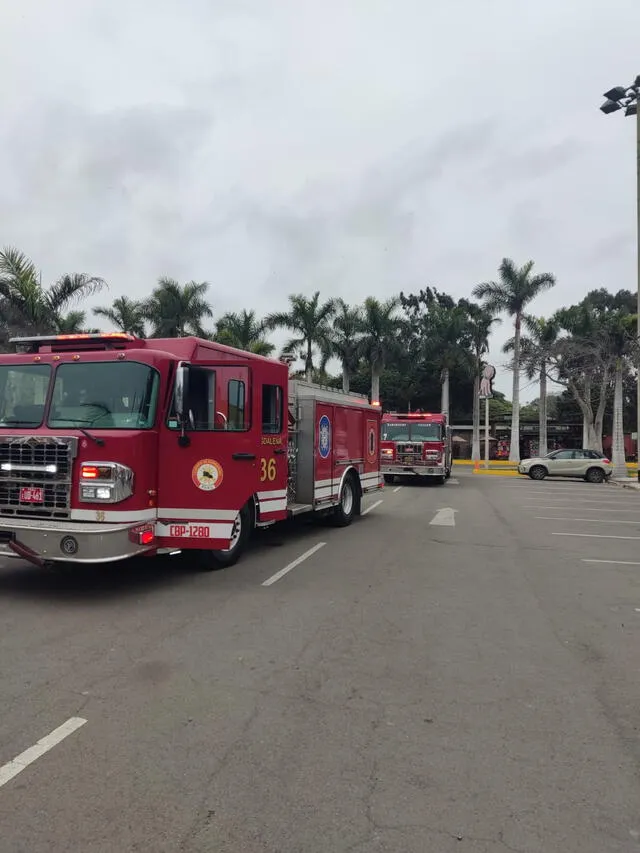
(627, 98)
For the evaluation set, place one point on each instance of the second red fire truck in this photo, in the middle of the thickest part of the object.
(415, 445)
(112, 446)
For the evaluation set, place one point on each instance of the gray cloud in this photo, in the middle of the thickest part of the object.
(360, 148)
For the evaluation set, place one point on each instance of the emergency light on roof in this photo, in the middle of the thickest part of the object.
(101, 336)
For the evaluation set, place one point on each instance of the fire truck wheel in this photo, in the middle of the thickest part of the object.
(389, 478)
(349, 503)
(242, 528)
(447, 473)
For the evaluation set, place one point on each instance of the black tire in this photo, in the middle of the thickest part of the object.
(349, 505)
(242, 529)
(389, 478)
(447, 473)
(594, 475)
(538, 472)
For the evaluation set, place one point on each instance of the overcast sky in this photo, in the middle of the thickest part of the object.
(355, 146)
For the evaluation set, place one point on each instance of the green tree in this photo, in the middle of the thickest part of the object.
(536, 350)
(175, 311)
(379, 338)
(309, 320)
(125, 315)
(345, 339)
(479, 323)
(515, 289)
(244, 331)
(28, 308)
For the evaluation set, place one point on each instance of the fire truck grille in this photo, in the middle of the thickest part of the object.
(35, 476)
(409, 454)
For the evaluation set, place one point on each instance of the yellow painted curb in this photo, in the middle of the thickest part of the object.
(497, 473)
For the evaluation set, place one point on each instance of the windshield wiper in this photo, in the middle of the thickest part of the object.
(98, 441)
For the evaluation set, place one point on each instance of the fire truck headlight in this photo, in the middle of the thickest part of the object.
(387, 451)
(105, 482)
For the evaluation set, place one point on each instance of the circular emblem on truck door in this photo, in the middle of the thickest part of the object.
(324, 436)
(207, 474)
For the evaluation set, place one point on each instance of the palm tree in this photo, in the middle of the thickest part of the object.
(535, 351)
(380, 338)
(176, 311)
(449, 328)
(621, 332)
(309, 320)
(125, 315)
(514, 290)
(243, 331)
(27, 307)
(479, 323)
(345, 339)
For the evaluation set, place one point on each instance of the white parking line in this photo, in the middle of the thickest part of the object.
(369, 508)
(582, 508)
(613, 562)
(452, 481)
(600, 520)
(397, 489)
(295, 563)
(20, 762)
(596, 535)
(588, 500)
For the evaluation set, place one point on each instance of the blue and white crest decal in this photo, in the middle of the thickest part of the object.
(324, 436)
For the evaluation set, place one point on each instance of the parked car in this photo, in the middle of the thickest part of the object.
(592, 466)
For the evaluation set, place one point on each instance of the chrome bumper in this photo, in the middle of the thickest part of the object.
(40, 541)
(417, 470)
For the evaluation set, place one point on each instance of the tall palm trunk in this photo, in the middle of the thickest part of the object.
(542, 449)
(475, 441)
(308, 364)
(445, 392)
(617, 448)
(345, 378)
(375, 384)
(514, 449)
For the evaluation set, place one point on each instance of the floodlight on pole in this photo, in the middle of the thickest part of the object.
(627, 99)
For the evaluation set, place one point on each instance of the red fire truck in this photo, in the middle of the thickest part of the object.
(415, 445)
(112, 446)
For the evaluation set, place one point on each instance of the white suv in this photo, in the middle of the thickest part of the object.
(587, 464)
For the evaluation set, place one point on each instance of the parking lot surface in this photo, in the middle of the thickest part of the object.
(458, 670)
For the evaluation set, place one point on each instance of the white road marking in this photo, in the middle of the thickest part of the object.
(596, 535)
(295, 563)
(20, 762)
(611, 501)
(613, 562)
(397, 489)
(444, 517)
(452, 481)
(582, 508)
(369, 508)
(600, 520)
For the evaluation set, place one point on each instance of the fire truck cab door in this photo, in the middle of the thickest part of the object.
(208, 466)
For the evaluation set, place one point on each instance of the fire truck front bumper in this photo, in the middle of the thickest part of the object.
(41, 542)
(414, 470)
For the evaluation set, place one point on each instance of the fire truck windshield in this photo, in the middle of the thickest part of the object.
(23, 393)
(104, 395)
(411, 431)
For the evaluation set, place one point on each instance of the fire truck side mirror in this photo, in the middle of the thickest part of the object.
(181, 393)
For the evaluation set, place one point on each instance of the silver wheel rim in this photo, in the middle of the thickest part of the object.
(235, 533)
(347, 499)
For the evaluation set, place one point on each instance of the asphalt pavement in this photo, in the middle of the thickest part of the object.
(456, 671)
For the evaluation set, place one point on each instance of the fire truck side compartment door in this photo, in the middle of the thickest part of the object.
(272, 423)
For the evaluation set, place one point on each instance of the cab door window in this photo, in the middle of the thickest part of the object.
(214, 401)
(272, 409)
